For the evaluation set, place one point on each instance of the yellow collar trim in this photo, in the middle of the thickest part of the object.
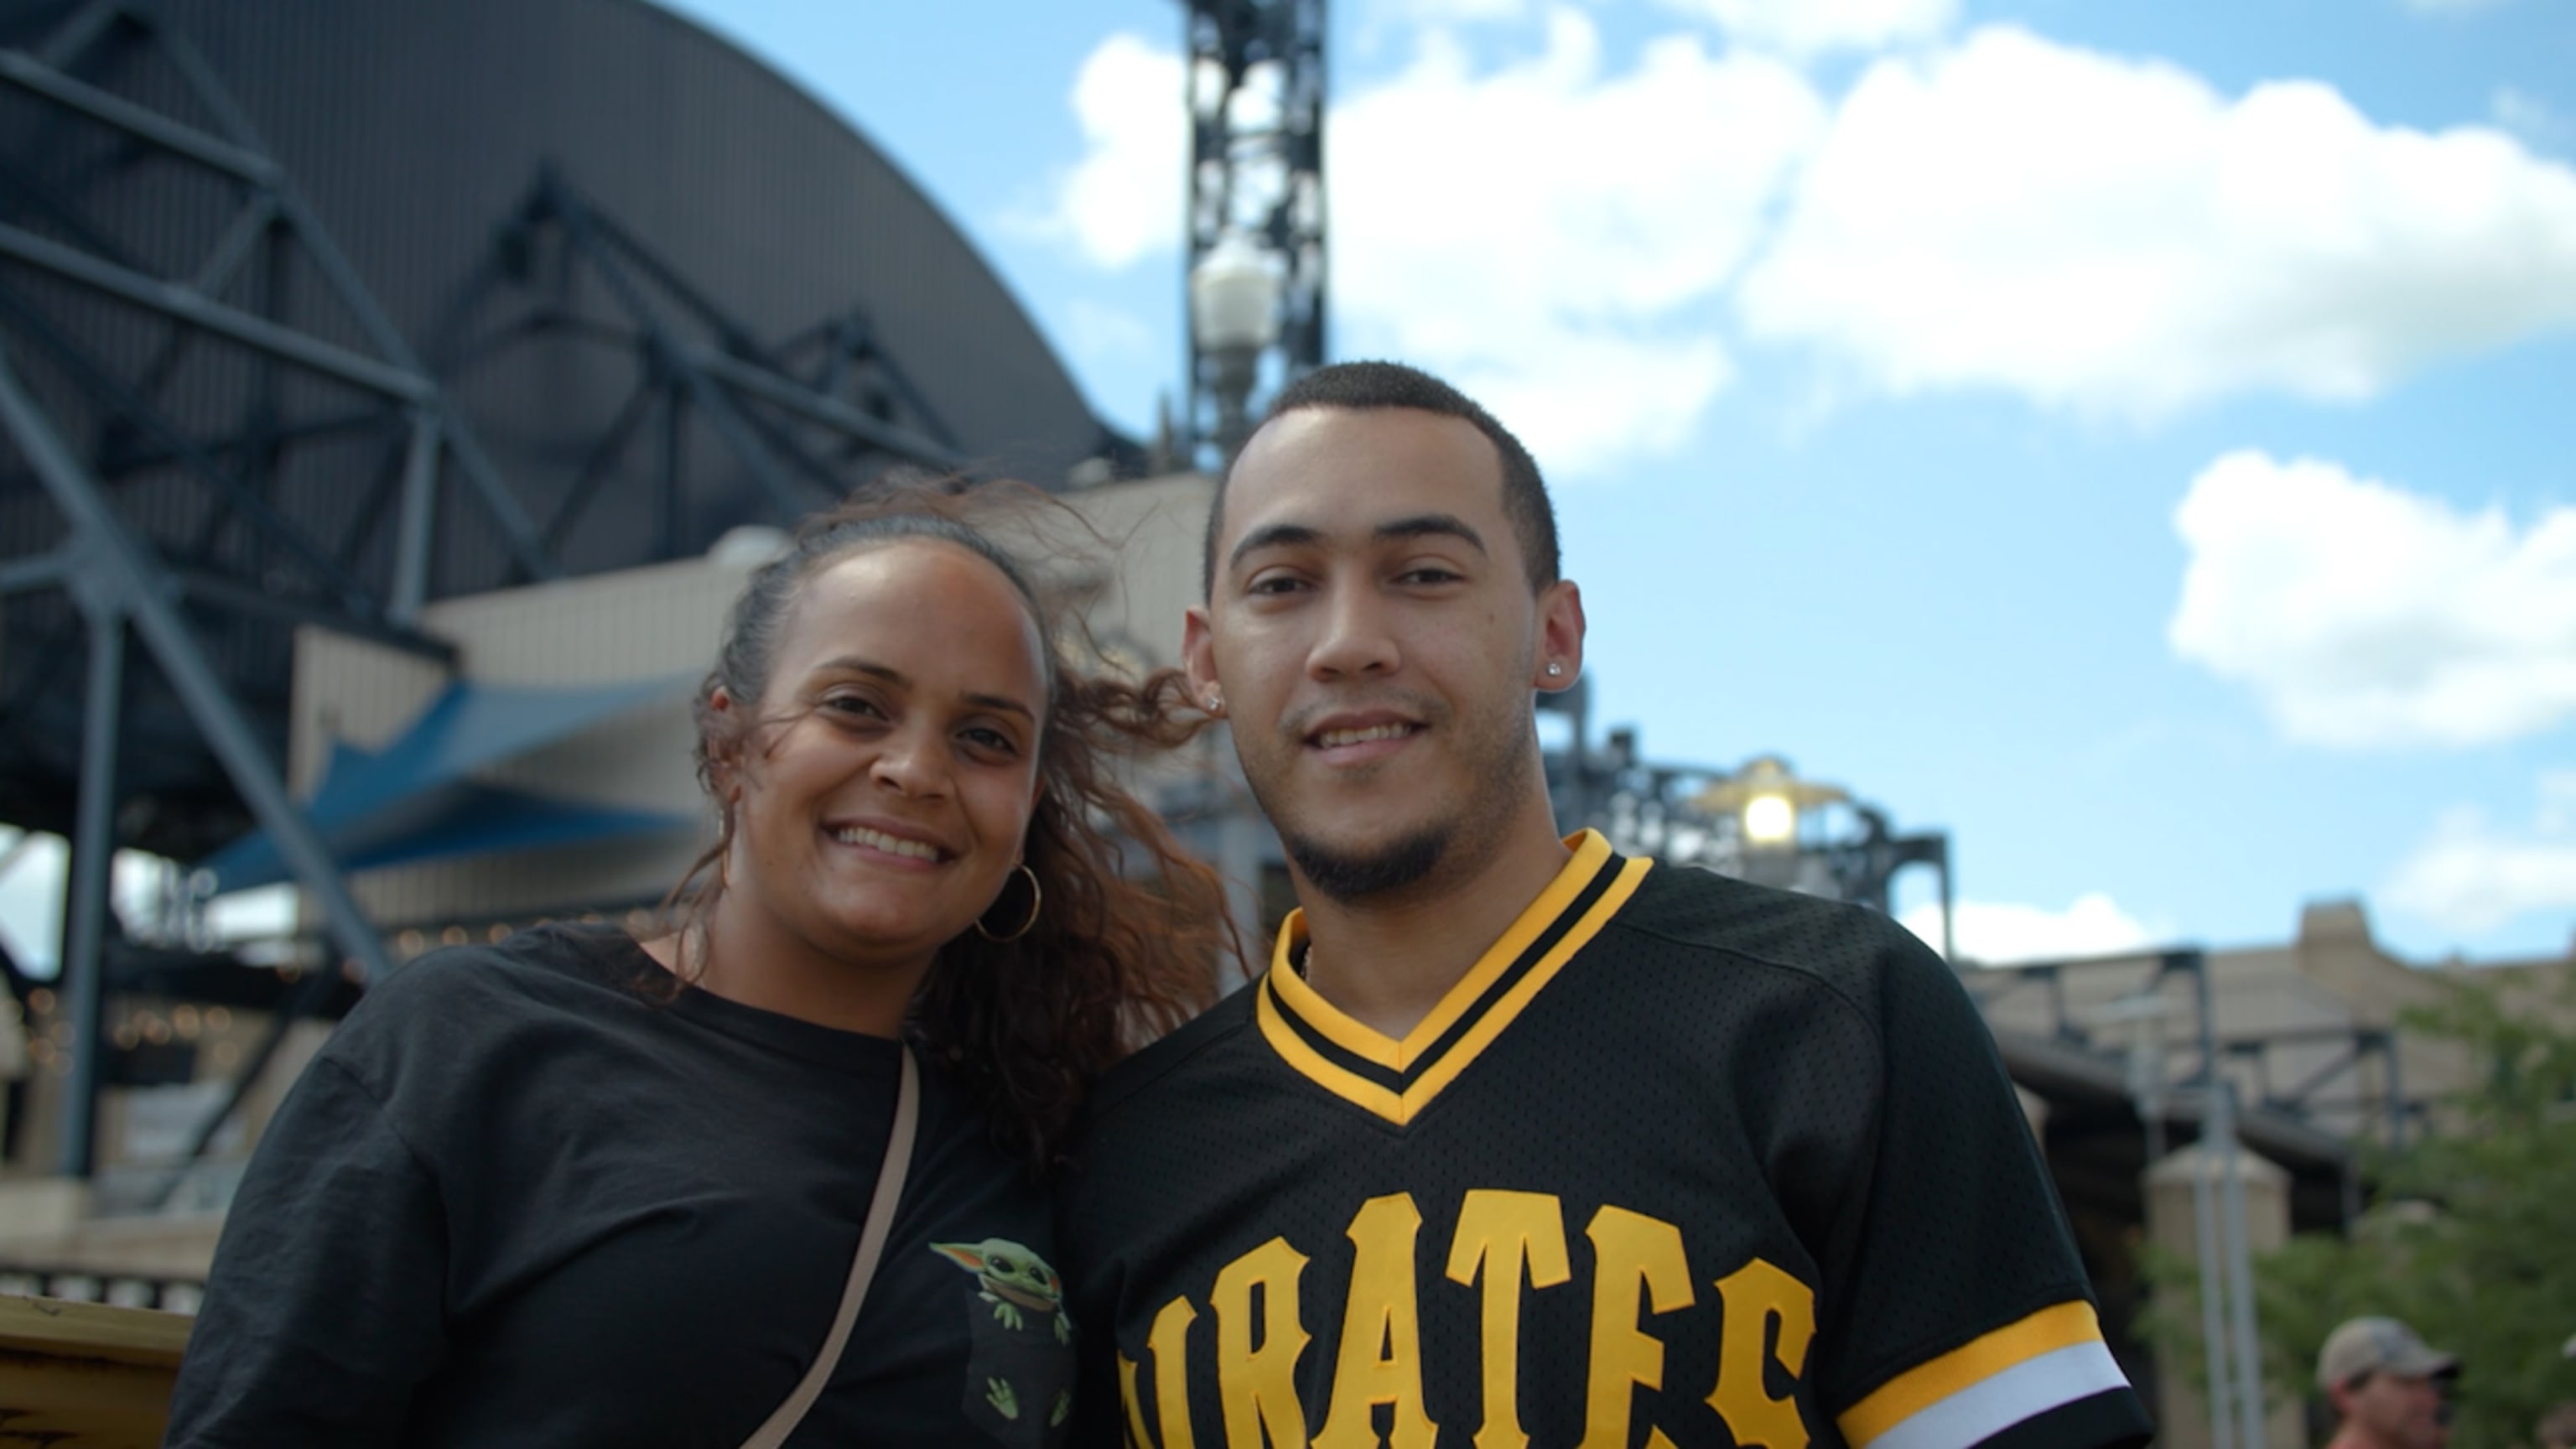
(1283, 992)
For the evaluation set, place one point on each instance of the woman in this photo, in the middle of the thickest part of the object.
(578, 1189)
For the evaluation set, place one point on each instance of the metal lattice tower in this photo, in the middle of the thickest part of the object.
(1256, 100)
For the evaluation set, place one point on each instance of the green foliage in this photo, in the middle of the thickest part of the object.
(2471, 1237)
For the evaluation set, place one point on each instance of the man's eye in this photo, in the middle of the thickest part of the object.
(1431, 574)
(1274, 584)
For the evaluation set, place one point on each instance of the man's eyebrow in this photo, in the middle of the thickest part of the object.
(1276, 535)
(1420, 525)
(1423, 525)
(852, 664)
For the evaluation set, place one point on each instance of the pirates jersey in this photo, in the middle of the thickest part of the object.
(1680, 1161)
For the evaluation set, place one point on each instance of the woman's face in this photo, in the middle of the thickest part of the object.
(884, 788)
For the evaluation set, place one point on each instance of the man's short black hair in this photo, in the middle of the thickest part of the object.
(1363, 386)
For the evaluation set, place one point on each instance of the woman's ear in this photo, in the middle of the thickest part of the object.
(722, 745)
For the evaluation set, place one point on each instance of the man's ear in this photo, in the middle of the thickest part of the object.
(1198, 658)
(1560, 637)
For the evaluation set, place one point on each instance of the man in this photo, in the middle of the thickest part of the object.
(2385, 1386)
(1518, 1141)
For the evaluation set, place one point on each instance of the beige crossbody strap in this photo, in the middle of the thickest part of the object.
(872, 1242)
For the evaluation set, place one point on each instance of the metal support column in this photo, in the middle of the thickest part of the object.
(85, 904)
(124, 571)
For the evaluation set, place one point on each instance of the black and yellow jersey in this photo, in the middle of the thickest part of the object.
(1680, 1161)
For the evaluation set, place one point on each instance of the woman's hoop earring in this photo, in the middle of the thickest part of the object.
(1037, 898)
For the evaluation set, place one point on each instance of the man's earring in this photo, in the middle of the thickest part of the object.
(1215, 700)
(1554, 669)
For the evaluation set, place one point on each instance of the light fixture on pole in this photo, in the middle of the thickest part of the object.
(1767, 798)
(1234, 317)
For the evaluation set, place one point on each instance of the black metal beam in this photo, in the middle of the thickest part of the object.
(771, 387)
(34, 76)
(172, 299)
(557, 201)
(139, 412)
(220, 591)
(84, 961)
(123, 574)
(38, 571)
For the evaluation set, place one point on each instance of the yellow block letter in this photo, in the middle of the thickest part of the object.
(1381, 1355)
(1634, 1257)
(1505, 1233)
(1169, 1343)
(1752, 1295)
(1258, 1386)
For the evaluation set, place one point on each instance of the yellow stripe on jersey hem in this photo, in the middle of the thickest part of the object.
(1281, 988)
(1919, 1388)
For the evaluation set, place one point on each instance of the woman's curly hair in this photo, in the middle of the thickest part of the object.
(1132, 927)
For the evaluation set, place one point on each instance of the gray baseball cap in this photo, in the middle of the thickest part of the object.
(2379, 1345)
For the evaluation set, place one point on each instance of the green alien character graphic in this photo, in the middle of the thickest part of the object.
(1019, 1377)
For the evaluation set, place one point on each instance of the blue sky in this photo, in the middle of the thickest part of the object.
(2137, 439)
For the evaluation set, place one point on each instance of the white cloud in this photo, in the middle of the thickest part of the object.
(1124, 200)
(2363, 615)
(1381, 13)
(1555, 237)
(1995, 933)
(2471, 877)
(1098, 332)
(1810, 27)
(2530, 119)
(2115, 236)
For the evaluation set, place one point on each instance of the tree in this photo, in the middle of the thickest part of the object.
(2470, 1238)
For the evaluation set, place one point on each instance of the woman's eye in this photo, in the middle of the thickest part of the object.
(992, 739)
(852, 706)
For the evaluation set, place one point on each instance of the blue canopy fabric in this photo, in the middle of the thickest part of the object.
(416, 800)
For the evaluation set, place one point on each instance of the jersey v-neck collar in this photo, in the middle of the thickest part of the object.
(1397, 1079)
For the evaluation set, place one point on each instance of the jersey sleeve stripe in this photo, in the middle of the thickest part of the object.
(1928, 1385)
(1992, 1405)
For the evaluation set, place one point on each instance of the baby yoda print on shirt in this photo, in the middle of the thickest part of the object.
(1019, 1377)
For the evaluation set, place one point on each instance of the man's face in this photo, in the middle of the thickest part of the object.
(1374, 632)
(2397, 1411)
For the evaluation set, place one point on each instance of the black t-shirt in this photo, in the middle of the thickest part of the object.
(518, 1201)
(1679, 1161)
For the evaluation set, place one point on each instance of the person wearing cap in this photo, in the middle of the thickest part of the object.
(2557, 1428)
(2383, 1383)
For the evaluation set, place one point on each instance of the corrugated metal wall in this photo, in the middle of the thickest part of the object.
(417, 130)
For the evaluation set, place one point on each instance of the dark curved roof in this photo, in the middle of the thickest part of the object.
(419, 133)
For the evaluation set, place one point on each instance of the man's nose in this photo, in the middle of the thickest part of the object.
(1357, 638)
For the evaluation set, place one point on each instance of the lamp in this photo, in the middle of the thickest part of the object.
(1234, 317)
(1766, 797)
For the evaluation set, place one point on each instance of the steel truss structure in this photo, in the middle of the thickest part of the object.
(807, 419)
(218, 442)
(1256, 100)
(171, 530)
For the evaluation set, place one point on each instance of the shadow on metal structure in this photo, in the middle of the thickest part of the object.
(169, 528)
(804, 437)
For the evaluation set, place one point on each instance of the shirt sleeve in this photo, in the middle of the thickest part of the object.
(1961, 1314)
(323, 1312)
